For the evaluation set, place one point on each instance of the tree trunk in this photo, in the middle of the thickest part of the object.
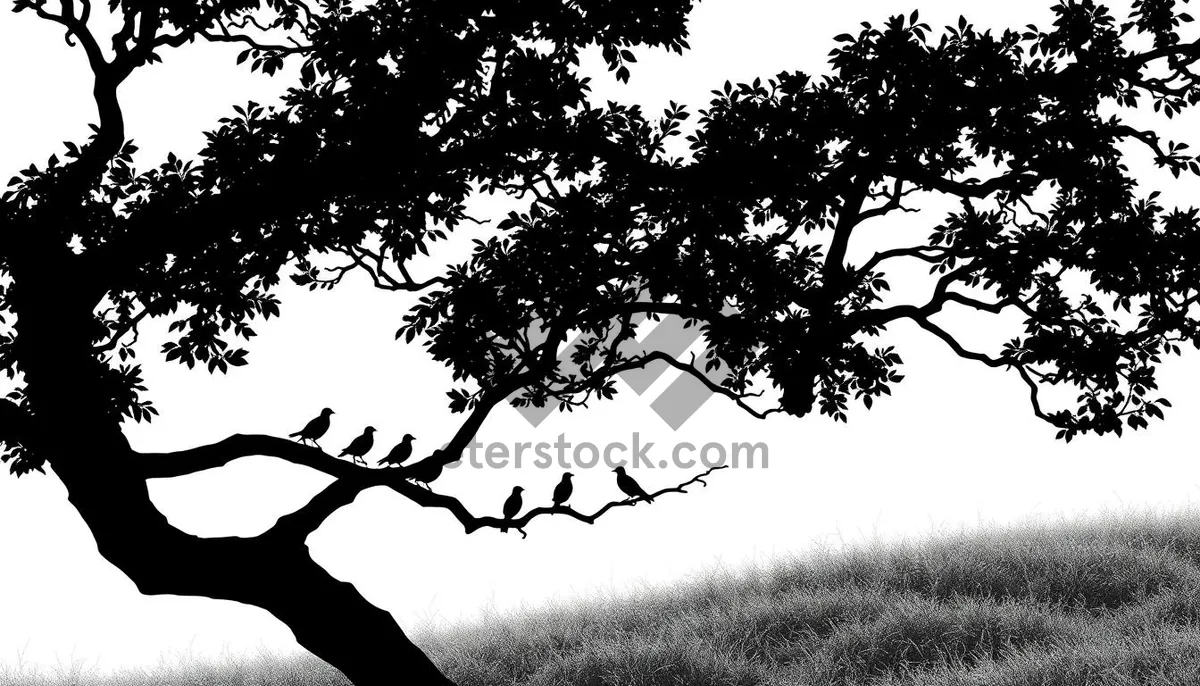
(335, 623)
(328, 617)
(79, 433)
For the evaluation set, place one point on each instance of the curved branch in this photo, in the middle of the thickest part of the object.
(350, 480)
(737, 398)
(1178, 50)
(379, 275)
(849, 217)
(227, 37)
(918, 252)
(941, 295)
(521, 522)
(957, 347)
(1011, 181)
(299, 524)
(121, 329)
(1033, 396)
(77, 27)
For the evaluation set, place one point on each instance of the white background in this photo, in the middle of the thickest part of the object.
(956, 445)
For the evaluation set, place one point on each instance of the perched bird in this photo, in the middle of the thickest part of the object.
(512, 506)
(630, 487)
(314, 429)
(400, 453)
(360, 446)
(562, 492)
(426, 471)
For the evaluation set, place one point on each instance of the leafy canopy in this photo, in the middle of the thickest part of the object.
(405, 108)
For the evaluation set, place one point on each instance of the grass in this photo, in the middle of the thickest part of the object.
(261, 669)
(1107, 601)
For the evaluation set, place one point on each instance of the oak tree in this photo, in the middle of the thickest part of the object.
(737, 218)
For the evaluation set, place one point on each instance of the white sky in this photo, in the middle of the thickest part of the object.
(956, 445)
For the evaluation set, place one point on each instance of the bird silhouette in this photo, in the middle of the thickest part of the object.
(562, 492)
(400, 453)
(426, 471)
(360, 446)
(630, 487)
(512, 506)
(314, 429)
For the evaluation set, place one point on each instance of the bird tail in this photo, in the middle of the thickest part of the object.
(295, 434)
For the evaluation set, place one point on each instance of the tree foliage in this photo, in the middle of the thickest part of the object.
(404, 109)
(738, 218)
(1022, 129)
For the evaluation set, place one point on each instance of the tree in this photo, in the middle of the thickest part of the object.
(405, 108)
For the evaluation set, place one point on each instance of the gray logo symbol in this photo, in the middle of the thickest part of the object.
(681, 399)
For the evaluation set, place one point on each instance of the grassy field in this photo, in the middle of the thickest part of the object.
(1108, 601)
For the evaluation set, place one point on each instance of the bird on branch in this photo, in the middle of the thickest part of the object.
(426, 471)
(562, 492)
(630, 487)
(360, 446)
(512, 506)
(400, 453)
(314, 429)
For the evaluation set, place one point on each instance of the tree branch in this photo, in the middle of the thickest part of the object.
(303, 522)
(957, 347)
(221, 453)
(350, 480)
(849, 217)
(121, 329)
(917, 252)
(1184, 50)
(1033, 396)
(1012, 181)
(226, 37)
(737, 398)
(77, 27)
(521, 522)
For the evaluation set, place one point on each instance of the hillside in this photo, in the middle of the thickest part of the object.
(1105, 601)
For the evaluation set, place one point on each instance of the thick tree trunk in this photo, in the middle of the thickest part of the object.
(78, 432)
(335, 623)
(328, 617)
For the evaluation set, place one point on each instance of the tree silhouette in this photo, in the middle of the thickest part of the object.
(405, 108)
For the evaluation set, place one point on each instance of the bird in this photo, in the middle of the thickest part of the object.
(630, 487)
(360, 446)
(426, 471)
(512, 506)
(562, 492)
(314, 429)
(400, 453)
